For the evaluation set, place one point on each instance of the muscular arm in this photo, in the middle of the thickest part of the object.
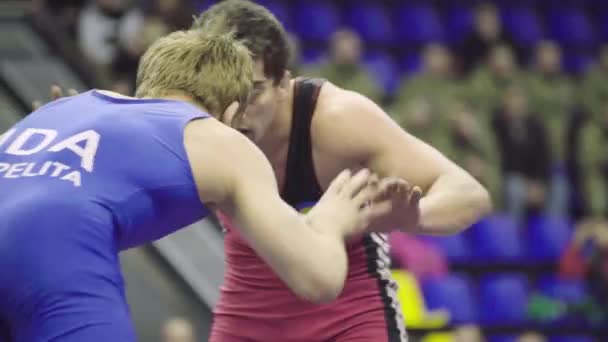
(234, 175)
(352, 127)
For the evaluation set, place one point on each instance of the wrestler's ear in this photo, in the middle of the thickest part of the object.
(231, 111)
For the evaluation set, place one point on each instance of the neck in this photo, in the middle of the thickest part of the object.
(279, 130)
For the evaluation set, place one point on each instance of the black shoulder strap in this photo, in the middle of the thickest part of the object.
(301, 183)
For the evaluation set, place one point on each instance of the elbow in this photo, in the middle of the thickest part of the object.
(322, 288)
(323, 294)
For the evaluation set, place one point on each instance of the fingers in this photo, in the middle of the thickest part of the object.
(357, 183)
(415, 196)
(338, 183)
(56, 92)
(374, 211)
(228, 115)
(72, 92)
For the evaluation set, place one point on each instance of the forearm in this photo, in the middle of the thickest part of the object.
(453, 203)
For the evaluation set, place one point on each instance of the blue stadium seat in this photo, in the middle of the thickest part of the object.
(312, 55)
(547, 237)
(496, 238)
(316, 20)
(571, 339)
(459, 23)
(454, 293)
(571, 28)
(576, 62)
(372, 22)
(603, 25)
(523, 26)
(411, 64)
(455, 247)
(280, 10)
(503, 299)
(570, 291)
(418, 25)
(384, 70)
(502, 338)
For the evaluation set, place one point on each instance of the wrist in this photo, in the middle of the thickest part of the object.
(320, 226)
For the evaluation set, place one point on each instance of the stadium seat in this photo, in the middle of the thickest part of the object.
(312, 55)
(418, 25)
(577, 63)
(455, 247)
(459, 23)
(452, 292)
(567, 290)
(372, 22)
(571, 339)
(523, 26)
(602, 28)
(571, 28)
(383, 68)
(316, 20)
(413, 306)
(410, 64)
(503, 299)
(502, 338)
(496, 238)
(547, 237)
(438, 337)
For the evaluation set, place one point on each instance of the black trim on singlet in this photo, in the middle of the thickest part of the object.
(372, 251)
(301, 184)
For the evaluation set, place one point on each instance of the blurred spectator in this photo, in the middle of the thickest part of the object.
(106, 27)
(62, 12)
(593, 163)
(420, 121)
(344, 67)
(489, 82)
(531, 336)
(552, 97)
(524, 153)
(487, 35)
(124, 66)
(468, 333)
(178, 330)
(176, 14)
(434, 84)
(594, 91)
(586, 258)
(471, 145)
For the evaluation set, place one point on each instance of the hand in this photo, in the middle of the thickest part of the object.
(348, 205)
(56, 93)
(404, 203)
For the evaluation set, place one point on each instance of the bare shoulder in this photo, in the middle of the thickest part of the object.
(345, 121)
(214, 150)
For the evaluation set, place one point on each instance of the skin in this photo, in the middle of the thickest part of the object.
(453, 199)
(314, 241)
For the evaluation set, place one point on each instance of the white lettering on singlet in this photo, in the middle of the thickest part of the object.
(34, 140)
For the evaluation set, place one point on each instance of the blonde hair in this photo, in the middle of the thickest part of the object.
(213, 68)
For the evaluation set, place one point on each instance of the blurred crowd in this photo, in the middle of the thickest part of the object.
(112, 35)
(512, 117)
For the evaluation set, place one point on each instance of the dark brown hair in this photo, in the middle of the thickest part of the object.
(257, 28)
